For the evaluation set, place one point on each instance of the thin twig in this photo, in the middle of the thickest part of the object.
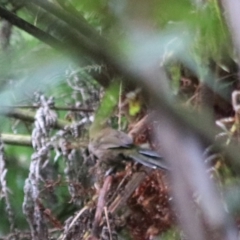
(119, 107)
(108, 224)
(100, 205)
(57, 108)
(73, 221)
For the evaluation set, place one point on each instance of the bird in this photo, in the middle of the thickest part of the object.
(112, 147)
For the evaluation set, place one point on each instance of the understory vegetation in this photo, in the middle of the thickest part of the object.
(164, 72)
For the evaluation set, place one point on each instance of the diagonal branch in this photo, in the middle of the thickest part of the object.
(74, 45)
(29, 28)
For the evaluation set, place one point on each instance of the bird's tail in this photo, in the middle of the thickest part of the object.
(148, 158)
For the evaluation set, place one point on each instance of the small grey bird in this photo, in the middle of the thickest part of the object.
(112, 147)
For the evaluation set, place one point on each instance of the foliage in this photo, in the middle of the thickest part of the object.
(175, 58)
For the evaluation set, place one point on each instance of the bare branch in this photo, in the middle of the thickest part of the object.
(28, 116)
(57, 108)
(16, 139)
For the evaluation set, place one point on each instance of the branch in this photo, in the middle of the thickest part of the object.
(26, 140)
(131, 186)
(57, 108)
(29, 28)
(16, 139)
(83, 37)
(29, 116)
(74, 45)
(78, 23)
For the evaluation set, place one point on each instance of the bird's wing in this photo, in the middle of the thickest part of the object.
(115, 139)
